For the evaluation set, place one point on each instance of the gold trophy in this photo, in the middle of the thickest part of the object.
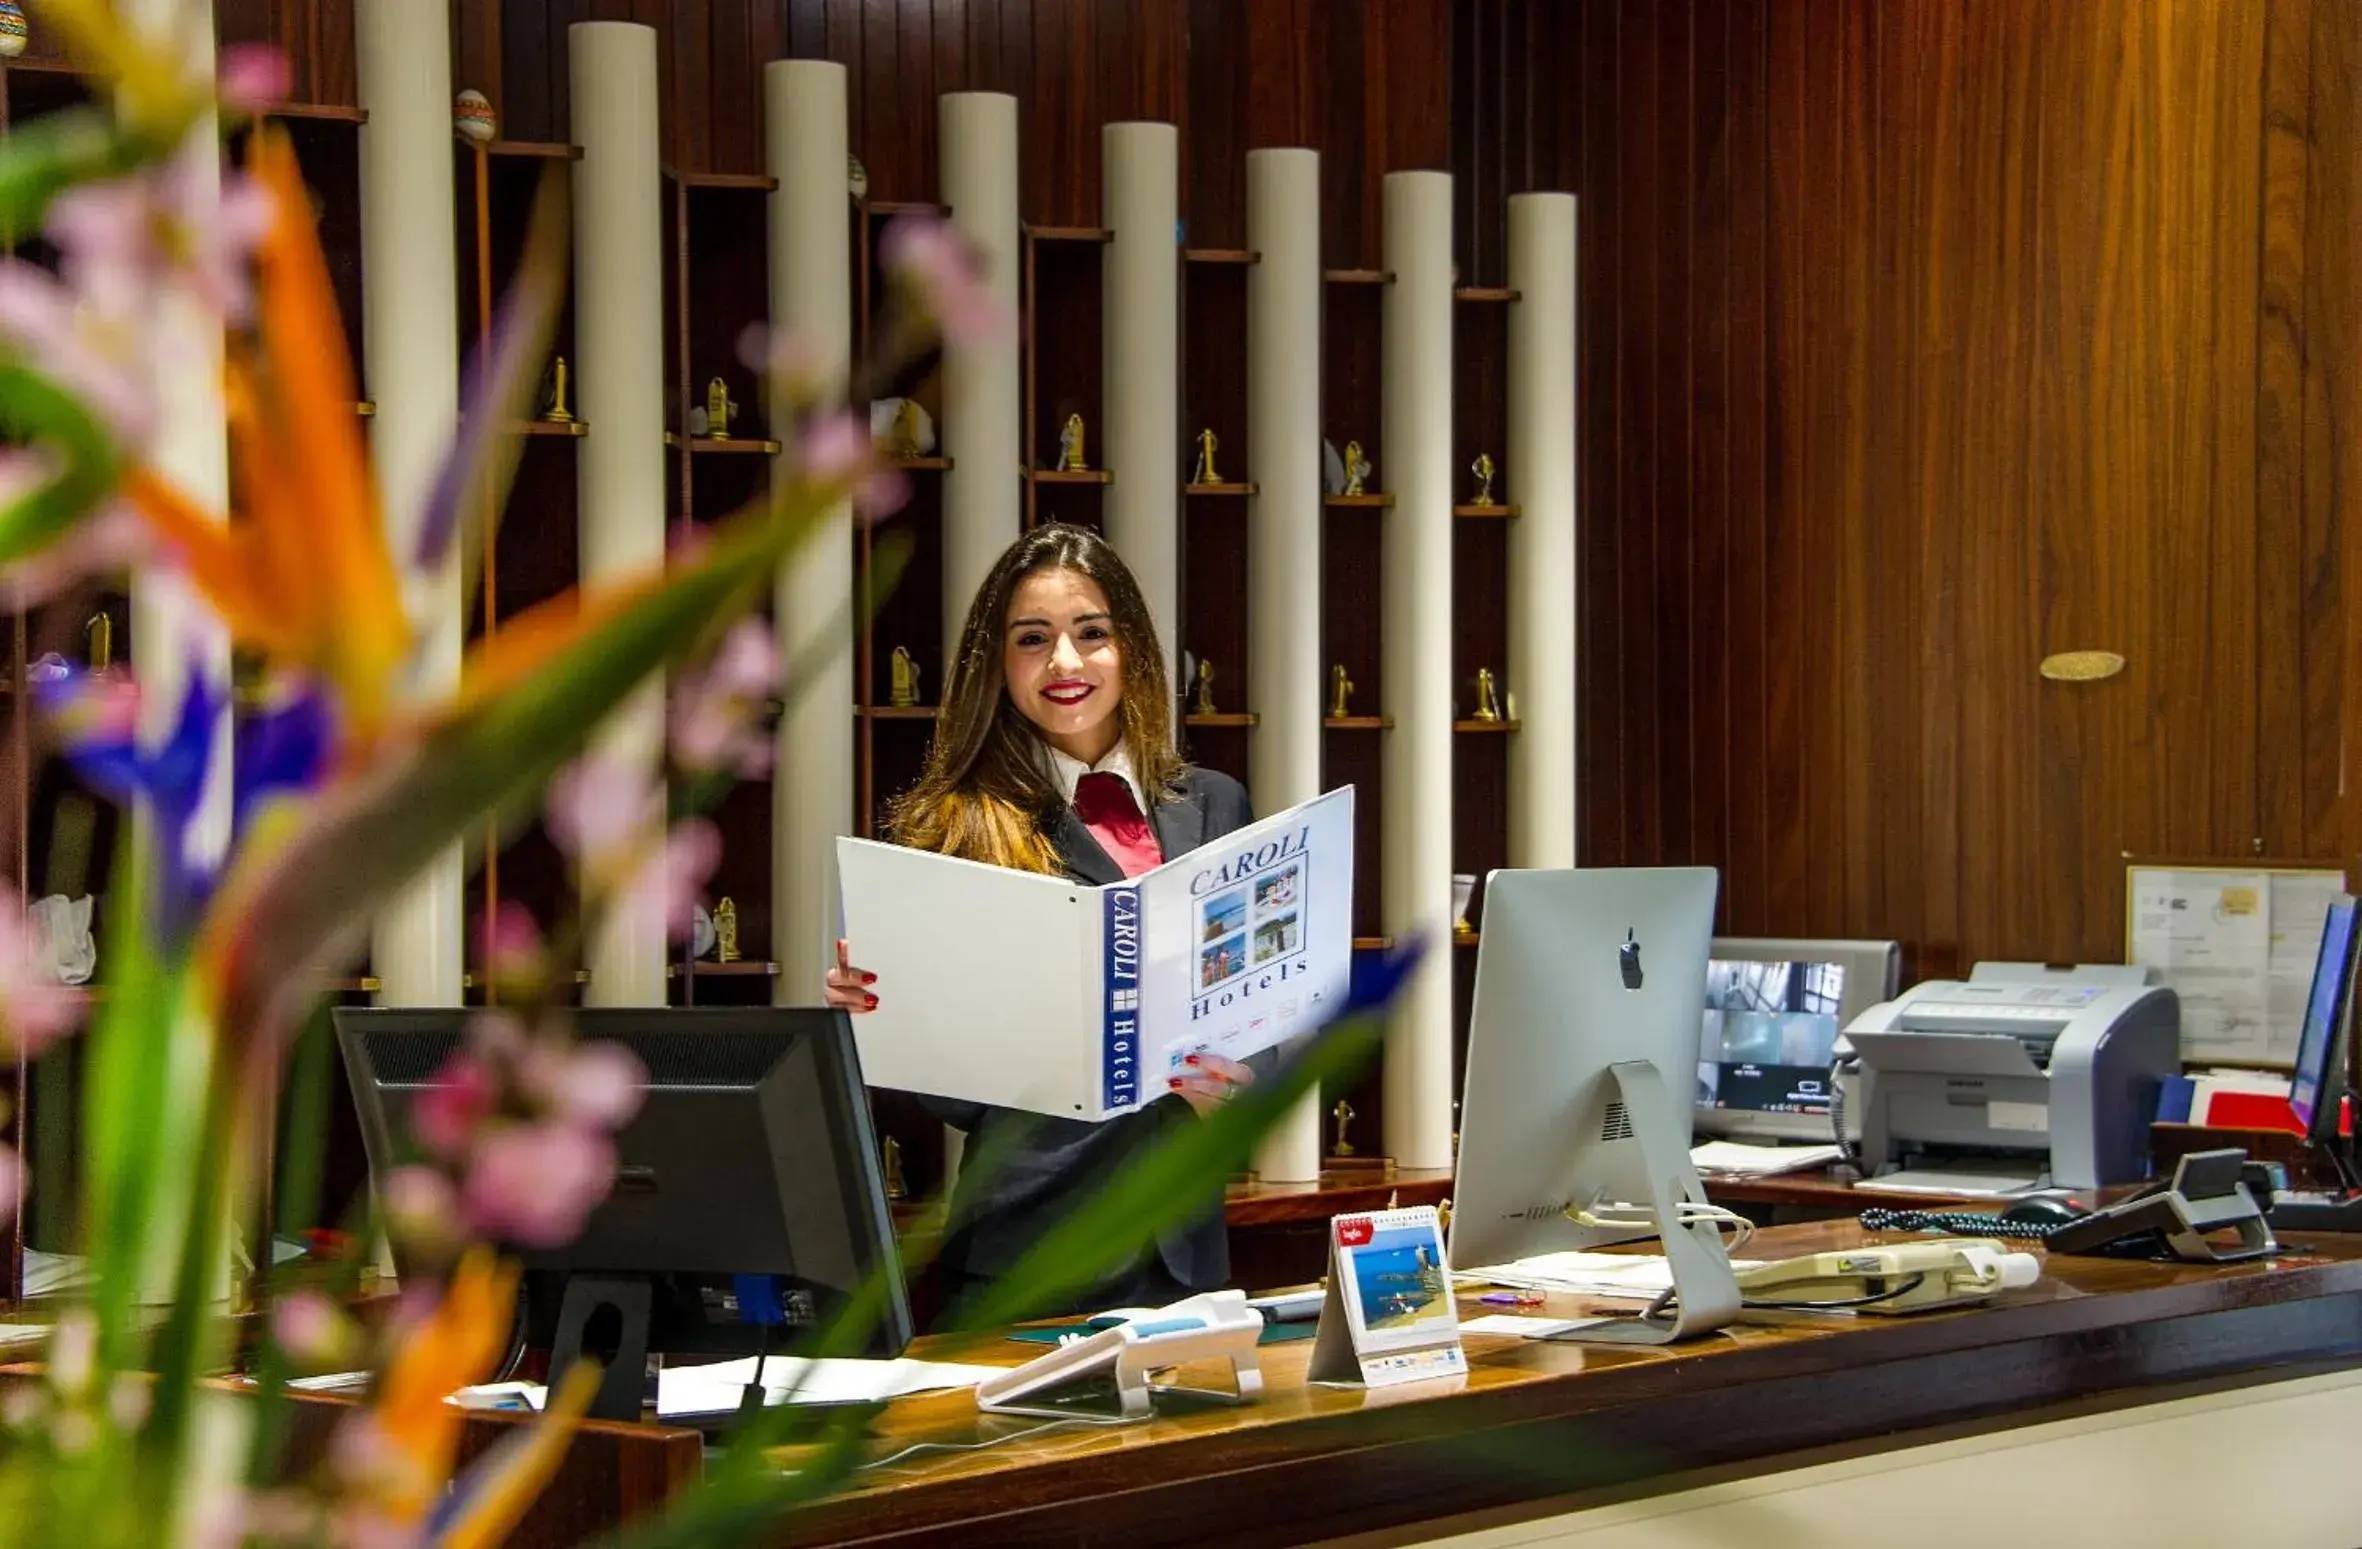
(725, 932)
(719, 410)
(1205, 473)
(1483, 469)
(1357, 470)
(903, 440)
(1343, 1113)
(102, 642)
(1487, 707)
(1070, 446)
(895, 1188)
(558, 413)
(1205, 688)
(906, 678)
(1340, 692)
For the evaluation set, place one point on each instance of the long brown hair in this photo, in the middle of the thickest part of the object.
(987, 793)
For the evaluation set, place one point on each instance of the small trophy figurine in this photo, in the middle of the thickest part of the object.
(903, 441)
(1487, 708)
(558, 413)
(1070, 446)
(1483, 469)
(101, 630)
(1357, 470)
(725, 932)
(895, 1188)
(719, 410)
(1205, 473)
(906, 678)
(1340, 692)
(1343, 1113)
(1205, 687)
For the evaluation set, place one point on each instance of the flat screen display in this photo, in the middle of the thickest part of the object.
(1770, 1036)
(2332, 976)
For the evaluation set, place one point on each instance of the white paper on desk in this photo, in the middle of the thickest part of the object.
(1038, 993)
(1512, 1326)
(1607, 1276)
(1736, 1159)
(686, 1391)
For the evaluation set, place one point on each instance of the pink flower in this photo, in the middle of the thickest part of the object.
(419, 1202)
(797, 371)
(310, 1328)
(943, 273)
(512, 943)
(599, 806)
(838, 449)
(35, 1010)
(122, 241)
(97, 358)
(663, 893)
(715, 714)
(107, 542)
(598, 1086)
(12, 1182)
(252, 76)
(456, 1102)
(534, 1184)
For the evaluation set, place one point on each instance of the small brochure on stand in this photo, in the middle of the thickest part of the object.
(1042, 994)
(1388, 1316)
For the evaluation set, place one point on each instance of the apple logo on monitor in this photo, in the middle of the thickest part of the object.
(1628, 959)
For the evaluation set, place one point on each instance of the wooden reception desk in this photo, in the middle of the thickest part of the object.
(1543, 1428)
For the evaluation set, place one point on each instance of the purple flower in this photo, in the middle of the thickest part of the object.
(837, 449)
(534, 1184)
(457, 1100)
(717, 714)
(252, 76)
(943, 273)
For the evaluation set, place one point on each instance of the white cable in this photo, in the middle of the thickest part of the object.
(1617, 1216)
(978, 1446)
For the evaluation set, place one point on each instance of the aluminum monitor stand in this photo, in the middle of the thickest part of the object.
(1706, 1292)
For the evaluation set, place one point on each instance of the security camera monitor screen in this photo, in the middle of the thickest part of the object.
(1770, 1036)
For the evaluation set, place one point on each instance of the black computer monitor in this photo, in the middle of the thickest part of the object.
(752, 1156)
(2317, 1084)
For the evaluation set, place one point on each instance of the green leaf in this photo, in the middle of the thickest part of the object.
(36, 412)
(41, 159)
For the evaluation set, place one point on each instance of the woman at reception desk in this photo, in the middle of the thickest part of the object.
(1054, 753)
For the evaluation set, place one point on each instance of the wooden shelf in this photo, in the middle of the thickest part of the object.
(1231, 487)
(1227, 718)
(884, 208)
(564, 429)
(1464, 938)
(1358, 276)
(1482, 727)
(738, 444)
(534, 150)
(366, 409)
(1358, 502)
(1357, 722)
(368, 984)
(742, 968)
(1484, 293)
(1069, 476)
(896, 712)
(1220, 255)
(920, 464)
(318, 112)
(1069, 234)
(744, 182)
(1486, 513)
(1373, 943)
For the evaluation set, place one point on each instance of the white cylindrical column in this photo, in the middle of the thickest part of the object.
(1541, 482)
(983, 404)
(409, 345)
(811, 296)
(1284, 682)
(619, 369)
(1416, 661)
(1140, 352)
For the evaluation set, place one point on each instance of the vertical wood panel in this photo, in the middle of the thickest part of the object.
(2333, 429)
(1600, 623)
(1707, 457)
(1746, 484)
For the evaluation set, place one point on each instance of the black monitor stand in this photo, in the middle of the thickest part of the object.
(2342, 1210)
(629, 1302)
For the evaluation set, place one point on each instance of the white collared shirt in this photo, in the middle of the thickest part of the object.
(1070, 770)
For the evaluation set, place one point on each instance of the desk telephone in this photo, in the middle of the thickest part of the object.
(2211, 1211)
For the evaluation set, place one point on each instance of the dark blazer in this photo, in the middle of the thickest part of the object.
(1055, 1163)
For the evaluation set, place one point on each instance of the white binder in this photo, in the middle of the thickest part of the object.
(1037, 993)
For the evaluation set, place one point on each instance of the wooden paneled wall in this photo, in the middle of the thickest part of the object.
(1921, 340)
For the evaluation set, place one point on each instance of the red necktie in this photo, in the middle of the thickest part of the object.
(1104, 803)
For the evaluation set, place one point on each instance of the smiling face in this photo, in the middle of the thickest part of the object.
(1064, 670)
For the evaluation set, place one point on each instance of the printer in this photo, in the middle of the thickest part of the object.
(2022, 1060)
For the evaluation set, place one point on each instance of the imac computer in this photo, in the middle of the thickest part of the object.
(1575, 1116)
(1774, 1013)
(2319, 1084)
(748, 1195)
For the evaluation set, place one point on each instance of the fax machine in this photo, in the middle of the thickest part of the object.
(2021, 1059)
